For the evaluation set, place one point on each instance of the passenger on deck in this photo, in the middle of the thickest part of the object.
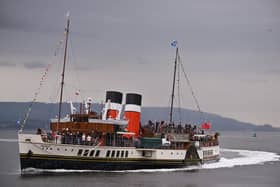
(179, 128)
(157, 126)
(39, 131)
(83, 138)
(161, 126)
(79, 137)
(89, 139)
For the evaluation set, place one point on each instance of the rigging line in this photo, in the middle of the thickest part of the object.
(75, 68)
(42, 80)
(190, 86)
(63, 70)
(170, 96)
(179, 96)
(54, 94)
(67, 86)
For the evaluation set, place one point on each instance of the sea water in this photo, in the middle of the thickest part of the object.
(245, 161)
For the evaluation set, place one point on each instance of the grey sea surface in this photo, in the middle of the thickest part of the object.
(246, 161)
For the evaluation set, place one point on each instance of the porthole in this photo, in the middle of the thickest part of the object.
(65, 149)
(50, 148)
(58, 149)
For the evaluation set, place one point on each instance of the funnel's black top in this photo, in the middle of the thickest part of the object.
(115, 97)
(132, 98)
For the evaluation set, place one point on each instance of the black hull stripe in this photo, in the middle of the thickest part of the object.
(46, 163)
(94, 159)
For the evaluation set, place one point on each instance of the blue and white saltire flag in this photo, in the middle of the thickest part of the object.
(174, 43)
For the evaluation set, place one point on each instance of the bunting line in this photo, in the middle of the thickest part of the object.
(41, 83)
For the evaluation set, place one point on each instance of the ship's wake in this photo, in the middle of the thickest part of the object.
(229, 158)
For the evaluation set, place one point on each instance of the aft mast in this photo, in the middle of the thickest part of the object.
(174, 44)
(63, 70)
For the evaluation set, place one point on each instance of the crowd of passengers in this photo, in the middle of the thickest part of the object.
(207, 140)
(69, 137)
(163, 127)
(95, 138)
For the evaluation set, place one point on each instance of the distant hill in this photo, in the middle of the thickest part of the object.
(11, 112)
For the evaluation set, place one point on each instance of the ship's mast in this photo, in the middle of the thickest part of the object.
(173, 86)
(63, 70)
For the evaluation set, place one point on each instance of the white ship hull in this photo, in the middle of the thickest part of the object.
(34, 153)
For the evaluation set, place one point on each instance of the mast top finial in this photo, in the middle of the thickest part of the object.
(68, 14)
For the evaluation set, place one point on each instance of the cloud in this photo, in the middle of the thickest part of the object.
(7, 64)
(34, 65)
(141, 60)
(220, 41)
(275, 71)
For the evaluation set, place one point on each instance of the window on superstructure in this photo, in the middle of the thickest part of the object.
(80, 152)
(108, 153)
(122, 153)
(113, 153)
(97, 153)
(91, 153)
(126, 154)
(118, 154)
(86, 152)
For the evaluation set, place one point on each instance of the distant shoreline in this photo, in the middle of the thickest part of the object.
(11, 112)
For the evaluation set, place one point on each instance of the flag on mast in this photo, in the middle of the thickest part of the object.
(206, 125)
(174, 43)
(77, 92)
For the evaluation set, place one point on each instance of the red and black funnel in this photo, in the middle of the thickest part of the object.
(132, 112)
(113, 105)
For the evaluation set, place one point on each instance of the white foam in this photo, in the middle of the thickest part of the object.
(245, 157)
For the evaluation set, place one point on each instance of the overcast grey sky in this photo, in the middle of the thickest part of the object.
(230, 49)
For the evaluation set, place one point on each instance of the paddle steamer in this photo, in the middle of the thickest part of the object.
(115, 139)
